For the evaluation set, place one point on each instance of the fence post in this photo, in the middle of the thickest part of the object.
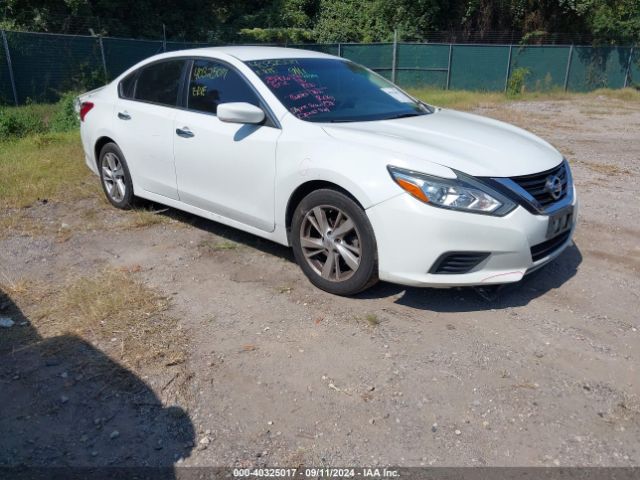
(449, 67)
(394, 57)
(566, 73)
(628, 69)
(10, 65)
(506, 77)
(104, 61)
(164, 38)
(339, 49)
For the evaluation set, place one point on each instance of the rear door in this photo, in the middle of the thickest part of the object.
(145, 113)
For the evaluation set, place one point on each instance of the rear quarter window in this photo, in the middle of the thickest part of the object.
(127, 84)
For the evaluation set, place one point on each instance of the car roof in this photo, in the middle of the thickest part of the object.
(247, 53)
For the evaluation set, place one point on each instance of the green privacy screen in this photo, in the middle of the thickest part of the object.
(6, 94)
(422, 65)
(599, 67)
(546, 65)
(45, 66)
(479, 67)
(330, 48)
(634, 70)
(121, 54)
(377, 57)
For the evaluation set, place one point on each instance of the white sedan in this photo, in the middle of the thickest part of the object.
(318, 153)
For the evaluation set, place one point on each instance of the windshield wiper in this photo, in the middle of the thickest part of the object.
(404, 115)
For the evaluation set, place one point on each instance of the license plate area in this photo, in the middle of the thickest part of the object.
(560, 222)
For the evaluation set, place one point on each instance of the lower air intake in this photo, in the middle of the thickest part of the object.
(545, 249)
(458, 262)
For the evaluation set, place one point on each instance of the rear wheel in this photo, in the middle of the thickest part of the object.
(334, 243)
(115, 177)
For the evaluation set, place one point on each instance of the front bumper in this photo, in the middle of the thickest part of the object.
(411, 236)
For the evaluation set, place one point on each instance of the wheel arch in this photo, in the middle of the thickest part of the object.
(100, 143)
(305, 189)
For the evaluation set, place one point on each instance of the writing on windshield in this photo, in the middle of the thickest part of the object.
(326, 90)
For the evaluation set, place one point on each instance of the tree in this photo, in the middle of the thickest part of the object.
(604, 21)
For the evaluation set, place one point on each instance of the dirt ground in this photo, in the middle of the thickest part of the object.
(543, 372)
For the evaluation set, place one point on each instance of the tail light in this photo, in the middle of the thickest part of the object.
(85, 107)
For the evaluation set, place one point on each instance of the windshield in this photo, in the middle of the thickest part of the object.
(333, 90)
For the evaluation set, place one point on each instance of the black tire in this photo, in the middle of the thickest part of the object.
(361, 239)
(117, 198)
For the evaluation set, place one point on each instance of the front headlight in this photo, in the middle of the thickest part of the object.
(462, 193)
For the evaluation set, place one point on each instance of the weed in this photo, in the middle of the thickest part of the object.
(210, 246)
(20, 122)
(372, 319)
(141, 218)
(65, 117)
(516, 82)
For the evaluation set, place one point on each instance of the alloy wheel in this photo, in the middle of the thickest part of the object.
(330, 243)
(113, 177)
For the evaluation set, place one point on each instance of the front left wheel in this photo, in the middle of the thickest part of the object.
(334, 243)
(115, 177)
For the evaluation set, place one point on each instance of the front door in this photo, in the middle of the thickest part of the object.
(225, 168)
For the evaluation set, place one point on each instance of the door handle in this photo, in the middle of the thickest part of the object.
(124, 116)
(184, 132)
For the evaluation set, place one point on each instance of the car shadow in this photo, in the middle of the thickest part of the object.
(457, 299)
(493, 297)
(65, 404)
(228, 233)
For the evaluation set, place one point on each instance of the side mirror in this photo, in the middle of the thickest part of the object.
(240, 112)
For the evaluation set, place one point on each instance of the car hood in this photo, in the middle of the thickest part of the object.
(469, 143)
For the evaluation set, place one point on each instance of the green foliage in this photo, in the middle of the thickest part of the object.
(608, 21)
(376, 20)
(517, 79)
(18, 122)
(87, 77)
(613, 21)
(277, 35)
(65, 117)
(32, 119)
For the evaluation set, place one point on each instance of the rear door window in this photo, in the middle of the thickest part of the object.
(212, 83)
(160, 82)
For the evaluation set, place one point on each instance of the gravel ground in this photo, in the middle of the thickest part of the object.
(543, 372)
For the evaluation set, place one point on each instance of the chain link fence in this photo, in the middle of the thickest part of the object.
(39, 67)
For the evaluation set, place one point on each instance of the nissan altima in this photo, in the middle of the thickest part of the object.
(318, 153)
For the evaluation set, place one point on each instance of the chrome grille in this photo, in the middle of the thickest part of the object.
(536, 184)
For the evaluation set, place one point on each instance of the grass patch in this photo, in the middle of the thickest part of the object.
(225, 245)
(142, 217)
(47, 166)
(368, 320)
(112, 310)
(469, 100)
(20, 122)
(210, 246)
(372, 319)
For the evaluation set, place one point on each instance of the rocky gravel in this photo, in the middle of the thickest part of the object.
(543, 372)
